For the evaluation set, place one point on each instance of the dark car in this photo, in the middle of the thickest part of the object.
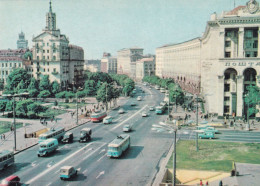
(68, 137)
(85, 134)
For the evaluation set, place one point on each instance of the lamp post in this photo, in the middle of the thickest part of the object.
(247, 117)
(14, 125)
(77, 121)
(197, 122)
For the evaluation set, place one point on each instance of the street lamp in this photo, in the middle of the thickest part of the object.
(77, 122)
(197, 122)
(14, 125)
(248, 124)
(163, 126)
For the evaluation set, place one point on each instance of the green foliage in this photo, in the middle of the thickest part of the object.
(101, 93)
(129, 86)
(9, 106)
(90, 87)
(20, 86)
(3, 105)
(55, 87)
(81, 94)
(15, 77)
(69, 95)
(33, 93)
(21, 107)
(33, 85)
(44, 94)
(45, 83)
(252, 99)
(1, 84)
(36, 108)
(61, 95)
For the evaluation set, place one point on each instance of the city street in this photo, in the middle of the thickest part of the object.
(137, 166)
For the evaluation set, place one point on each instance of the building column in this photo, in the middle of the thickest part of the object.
(258, 84)
(220, 94)
(241, 42)
(258, 47)
(240, 91)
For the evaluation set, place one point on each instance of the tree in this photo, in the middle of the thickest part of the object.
(15, 77)
(33, 84)
(45, 83)
(90, 87)
(36, 108)
(252, 99)
(1, 84)
(44, 94)
(55, 87)
(129, 86)
(3, 105)
(21, 107)
(33, 93)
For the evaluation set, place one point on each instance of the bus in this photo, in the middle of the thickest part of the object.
(47, 146)
(118, 146)
(161, 108)
(57, 133)
(98, 116)
(6, 159)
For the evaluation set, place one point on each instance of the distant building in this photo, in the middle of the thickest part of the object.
(221, 64)
(145, 67)
(93, 65)
(126, 59)
(54, 56)
(21, 42)
(108, 64)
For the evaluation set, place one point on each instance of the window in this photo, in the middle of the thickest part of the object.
(43, 57)
(249, 33)
(6, 72)
(54, 57)
(54, 51)
(54, 70)
(255, 54)
(19, 64)
(47, 44)
(10, 64)
(228, 33)
(247, 54)
(226, 98)
(255, 44)
(48, 57)
(255, 34)
(37, 50)
(226, 109)
(44, 70)
(227, 54)
(226, 87)
(43, 51)
(47, 51)
(227, 43)
(48, 63)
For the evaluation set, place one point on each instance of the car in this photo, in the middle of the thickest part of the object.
(66, 172)
(85, 134)
(206, 135)
(144, 114)
(11, 180)
(211, 129)
(139, 98)
(133, 104)
(107, 120)
(68, 137)
(127, 128)
(151, 108)
(121, 111)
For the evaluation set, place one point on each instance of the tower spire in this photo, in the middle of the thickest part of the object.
(50, 7)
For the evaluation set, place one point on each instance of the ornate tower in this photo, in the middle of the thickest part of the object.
(21, 42)
(50, 20)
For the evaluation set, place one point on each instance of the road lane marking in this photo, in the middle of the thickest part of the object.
(59, 163)
(85, 171)
(129, 118)
(101, 173)
(101, 157)
(103, 150)
(93, 152)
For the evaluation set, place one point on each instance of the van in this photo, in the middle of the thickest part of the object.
(11, 180)
(47, 146)
(66, 172)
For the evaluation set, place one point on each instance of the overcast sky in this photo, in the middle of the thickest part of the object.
(110, 25)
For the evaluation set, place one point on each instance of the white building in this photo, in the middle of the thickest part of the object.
(220, 64)
(145, 67)
(53, 56)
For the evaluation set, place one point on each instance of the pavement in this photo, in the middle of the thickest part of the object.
(65, 120)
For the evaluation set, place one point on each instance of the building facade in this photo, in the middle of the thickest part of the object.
(54, 56)
(108, 63)
(145, 67)
(126, 59)
(92, 65)
(222, 63)
(21, 42)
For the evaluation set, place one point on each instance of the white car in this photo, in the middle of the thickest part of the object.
(151, 108)
(144, 114)
(121, 111)
(127, 128)
(139, 98)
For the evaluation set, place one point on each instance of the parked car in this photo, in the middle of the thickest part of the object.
(144, 114)
(127, 128)
(206, 135)
(11, 180)
(85, 134)
(151, 108)
(133, 104)
(107, 120)
(121, 111)
(68, 137)
(139, 98)
(66, 172)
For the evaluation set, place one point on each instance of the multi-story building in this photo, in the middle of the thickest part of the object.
(93, 65)
(108, 63)
(21, 42)
(53, 56)
(9, 60)
(126, 59)
(145, 67)
(220, 64)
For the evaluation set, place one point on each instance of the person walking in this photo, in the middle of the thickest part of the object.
(220, 183)
(4, 136)
(207, 183)
(201, 183)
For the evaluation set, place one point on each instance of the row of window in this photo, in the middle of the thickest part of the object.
(48, 57)
(247, 54)
(10, 64)
(4, 72)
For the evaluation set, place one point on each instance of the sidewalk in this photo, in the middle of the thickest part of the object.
(65, 120)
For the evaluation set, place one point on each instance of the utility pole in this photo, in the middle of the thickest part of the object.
(77, 108)
(14, 125)
(174, 159)
(197, 144)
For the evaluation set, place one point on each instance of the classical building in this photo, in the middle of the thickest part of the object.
(220, 64)
(9, 60)
(145, 67)
(54, 56)
(126, 60)
(108, 63)
(21, 42)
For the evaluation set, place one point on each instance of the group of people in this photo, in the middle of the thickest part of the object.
(207, 183)
(2, 136)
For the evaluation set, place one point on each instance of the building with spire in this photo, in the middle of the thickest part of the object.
(54, 56)
(21, 42)
(220, 65)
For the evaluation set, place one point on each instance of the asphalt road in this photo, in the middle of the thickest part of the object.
(137, 166)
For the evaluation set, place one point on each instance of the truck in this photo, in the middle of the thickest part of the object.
(85, 134)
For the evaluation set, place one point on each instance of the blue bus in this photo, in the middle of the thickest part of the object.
(118, 146)
(161, 108)
(57, 133)
(6, 159)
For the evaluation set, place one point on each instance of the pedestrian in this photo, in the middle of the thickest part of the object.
(201, 183)
(253, 123)
(207, 183)
(4, 136)
(1, 136)
(56, 120)
(220, 183)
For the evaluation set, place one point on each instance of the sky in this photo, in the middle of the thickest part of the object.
(110, 25)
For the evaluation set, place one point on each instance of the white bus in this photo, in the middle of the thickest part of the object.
(6, 159)
(118, 146)
(57, 133)
(47, 146)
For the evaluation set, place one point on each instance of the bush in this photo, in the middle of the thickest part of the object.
(32, 115)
